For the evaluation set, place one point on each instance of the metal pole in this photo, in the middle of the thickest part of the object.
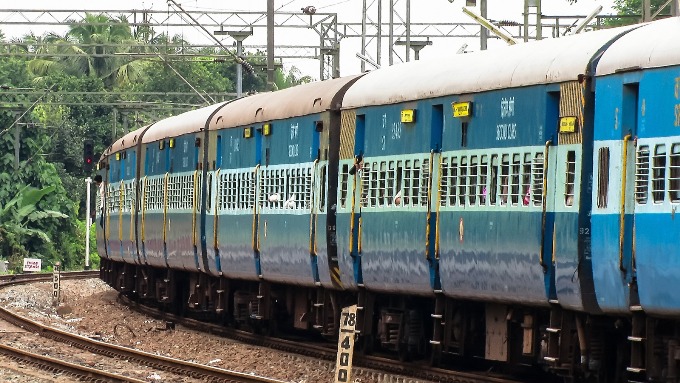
(483, 33)
(88, 223)
(336, 62)
(408, 30)
(526, 21)
(391, 37)
(379, 42)
(539, 22)
(239, 70)
(363, 36)
(646, 10)
(126, 125)
(270, 43)
(675, 8)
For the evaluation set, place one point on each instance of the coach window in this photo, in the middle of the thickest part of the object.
(210, 192)
(602, 177)
(537, 179)
(483, 178)
(462, 180)
(415, 183)
(505, 175)
(674, 176)
(322, 189)
(526, 179)
(453, 181)
(493, 184)
(472, 184)
(398, 196)
(514, 180)
(642, 175)
(344, 176)
(659, 173)
(570, 178)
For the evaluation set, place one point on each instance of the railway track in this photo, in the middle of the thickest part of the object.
(362, 363)
(175, 366)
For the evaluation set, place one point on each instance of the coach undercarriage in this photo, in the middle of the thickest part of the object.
(576, 346)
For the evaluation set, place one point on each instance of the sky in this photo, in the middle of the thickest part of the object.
(422, 11)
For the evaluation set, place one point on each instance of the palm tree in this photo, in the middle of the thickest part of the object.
(89, 48)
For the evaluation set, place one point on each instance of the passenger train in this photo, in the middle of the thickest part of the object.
(515, 205)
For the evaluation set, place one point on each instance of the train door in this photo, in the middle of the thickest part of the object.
(432, 246)
(572, 255)
(356, 187)
(629, 118)
(317, 211)
(565, 231)
(114, 217)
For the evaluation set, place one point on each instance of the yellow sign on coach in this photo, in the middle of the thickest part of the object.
(462, 109)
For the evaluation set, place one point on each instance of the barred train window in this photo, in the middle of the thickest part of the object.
(129, 197)
(425, 183)
(181, 192)
(505, 179)
(674, 176)
(236, 191)
(514, 180)
(384, 181)
(286, 188)
(472, 183)
(322, 188)
(173, 193)
(113, 198)
(344, 177)
(525, 190)
(299, 188)
(272, 193)
(659, 173)
(474, 180)
(603, 177)
(642, 174)
(493, 187)
(483, 177)
(537, 174)
(411, 182)
(570, 178)
(462, 180)
(447, 187)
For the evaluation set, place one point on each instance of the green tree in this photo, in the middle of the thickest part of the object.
(292, 78)
(89, 49)
(19, 222)
(632, 9)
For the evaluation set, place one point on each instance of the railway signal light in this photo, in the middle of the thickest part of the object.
(88, 155)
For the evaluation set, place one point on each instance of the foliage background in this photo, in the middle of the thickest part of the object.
(96, 65)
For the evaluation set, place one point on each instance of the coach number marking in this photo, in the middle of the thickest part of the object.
(506, 132)
(293, 149)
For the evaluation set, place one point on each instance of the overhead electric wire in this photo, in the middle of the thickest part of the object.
(238, 59)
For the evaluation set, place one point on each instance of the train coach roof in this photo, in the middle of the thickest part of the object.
(301, 100)
(653, 45)
(187, 122)
(127, 141)
(546, 61)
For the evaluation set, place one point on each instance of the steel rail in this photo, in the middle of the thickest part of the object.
(83, 373)
(163, 363)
